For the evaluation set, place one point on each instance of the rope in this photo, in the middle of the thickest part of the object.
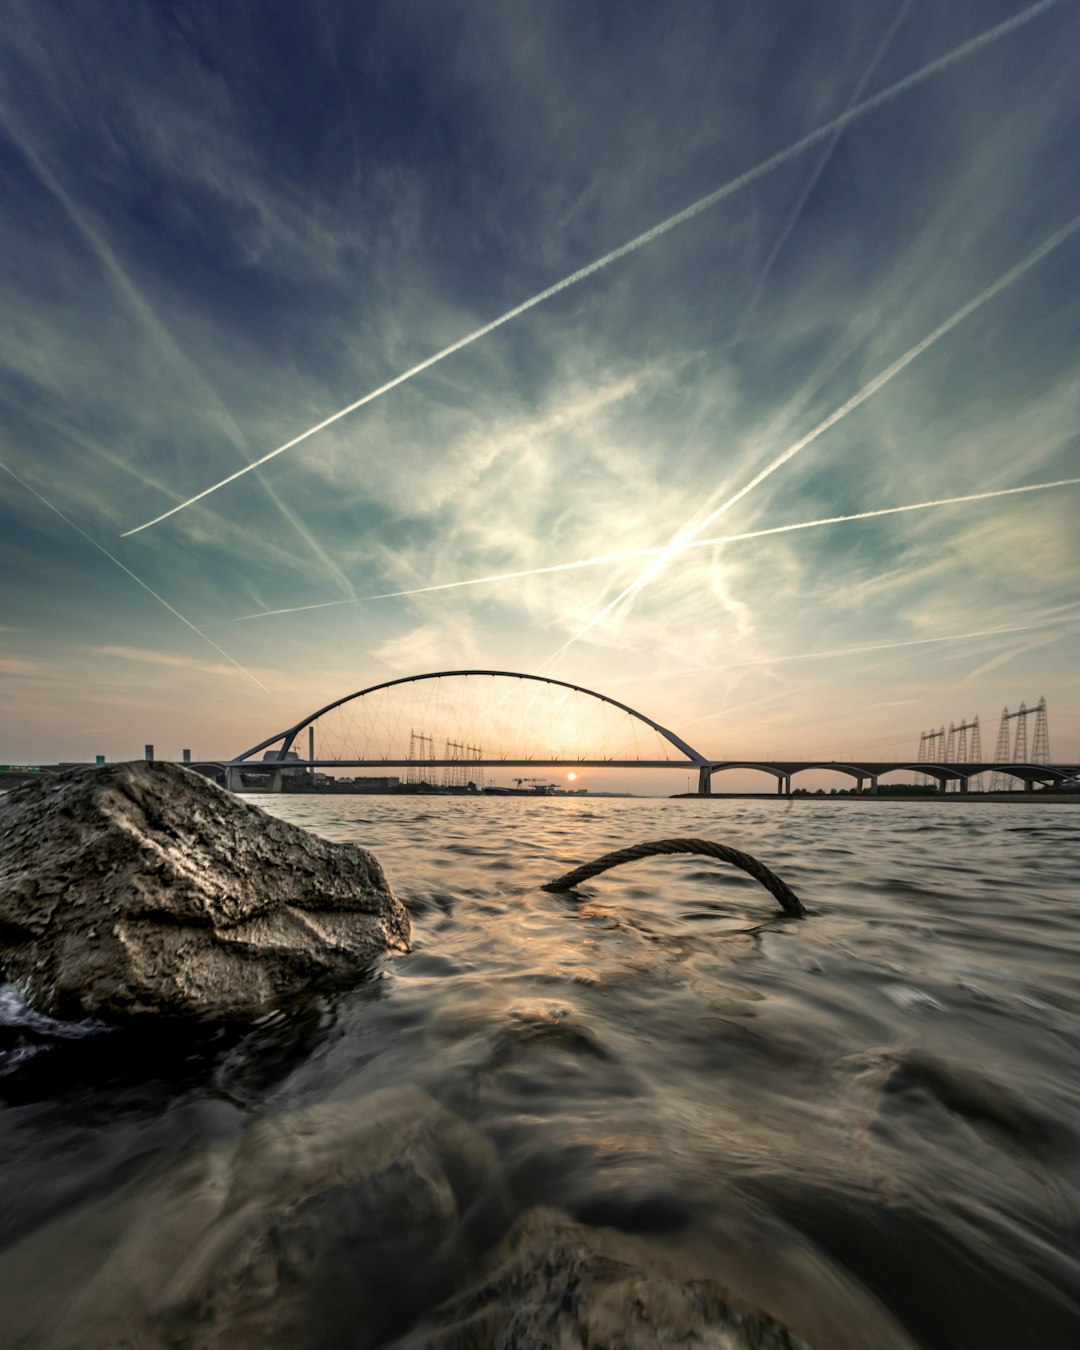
(786, 897)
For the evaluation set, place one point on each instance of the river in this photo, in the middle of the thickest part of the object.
(870, 1117)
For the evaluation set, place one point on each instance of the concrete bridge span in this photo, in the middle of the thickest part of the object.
(871, 771)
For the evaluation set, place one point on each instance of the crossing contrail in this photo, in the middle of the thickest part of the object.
(819, 168)
(735, 185)
(143, 312)
(630, 554)
(868, 390)
(137, 580)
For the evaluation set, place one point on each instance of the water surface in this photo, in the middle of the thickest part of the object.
(876, 1107)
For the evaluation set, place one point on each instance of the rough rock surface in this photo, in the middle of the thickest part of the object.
(143, 887)
(317, 1229)
(558, 1285)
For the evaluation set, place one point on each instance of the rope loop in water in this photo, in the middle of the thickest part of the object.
(786, 897)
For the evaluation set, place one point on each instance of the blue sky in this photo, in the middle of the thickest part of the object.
(221, 224)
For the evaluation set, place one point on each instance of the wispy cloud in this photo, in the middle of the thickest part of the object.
(629, 555)
(184, 368)
(233, 262)
(174, 660)
(17, 665)
(128, 572)
(744, 180)
(907, 642)
(688, 531)
(822, 163)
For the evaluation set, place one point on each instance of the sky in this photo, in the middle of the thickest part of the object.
(224, 224)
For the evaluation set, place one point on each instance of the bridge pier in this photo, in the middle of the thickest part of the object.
(1029, 784)
(873, 784)
(704, 780)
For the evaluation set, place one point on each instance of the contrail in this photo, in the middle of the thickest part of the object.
(258, 545)
(138, 581)
(812, 182)
(889, 646)
(167, 345)
(629, 554)
(850, 651)
(766, 166)
(855, 401)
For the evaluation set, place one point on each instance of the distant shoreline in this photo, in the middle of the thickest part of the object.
(9, 781)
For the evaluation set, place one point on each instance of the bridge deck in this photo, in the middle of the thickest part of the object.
(870, 768)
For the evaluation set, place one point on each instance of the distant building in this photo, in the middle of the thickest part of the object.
(290, 757)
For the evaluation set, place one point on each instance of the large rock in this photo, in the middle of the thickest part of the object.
(144, 888)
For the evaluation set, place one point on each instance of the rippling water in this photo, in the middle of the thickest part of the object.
(869, 1119)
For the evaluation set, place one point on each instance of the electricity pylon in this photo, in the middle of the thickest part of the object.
(1040, 750)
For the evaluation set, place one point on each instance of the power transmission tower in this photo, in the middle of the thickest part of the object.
(920, 778)
(421, 747)
(1001, 753)
(931, 751)
(1040, 750)
(964, 753)
(975, 756)
(1020, 750)
(476, 752)
(454, 774)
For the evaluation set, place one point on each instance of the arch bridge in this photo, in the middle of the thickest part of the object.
(467, 721)
(460, 723)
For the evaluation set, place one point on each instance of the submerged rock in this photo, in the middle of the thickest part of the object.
(554, 1284)
(143, 887)
(324, 1227)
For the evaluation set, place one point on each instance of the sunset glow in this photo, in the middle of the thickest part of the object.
(525, 352)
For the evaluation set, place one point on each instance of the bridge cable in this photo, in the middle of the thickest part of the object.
(786, 897)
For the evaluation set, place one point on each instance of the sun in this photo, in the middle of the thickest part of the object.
(571, 777)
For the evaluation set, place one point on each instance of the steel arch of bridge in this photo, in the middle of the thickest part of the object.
(287, 737)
